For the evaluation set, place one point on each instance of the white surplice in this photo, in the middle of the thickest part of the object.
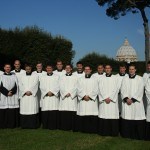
(133, 88)
(28, 104)
(49, 84)
(9, 82)
(108, 88)
(68, 84)
(87, 86)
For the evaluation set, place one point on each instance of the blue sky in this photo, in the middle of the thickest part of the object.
(81, 21)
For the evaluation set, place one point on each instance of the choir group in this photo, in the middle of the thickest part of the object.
(102, 103)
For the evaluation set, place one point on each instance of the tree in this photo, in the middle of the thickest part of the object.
(32, 44)
(117, 8)
(94, 59)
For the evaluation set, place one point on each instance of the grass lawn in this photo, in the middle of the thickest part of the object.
(40, 139)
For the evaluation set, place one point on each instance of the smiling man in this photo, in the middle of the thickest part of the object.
(133, 113)
(87, 110)
(9, 104)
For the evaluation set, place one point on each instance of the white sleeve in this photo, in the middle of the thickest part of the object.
(62, 88)
(55, 89)
(43, 87)
(102, 91)
(93, 95)
(115, 90)
(21, 87)
(124, 91)
(34, 88)
(139, 93)
(147, 90)
(80, 90)
(73, 90)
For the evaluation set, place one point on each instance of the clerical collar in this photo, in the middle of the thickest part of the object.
(28, 74)
(68, 74)
(108, 75)
(17, 70)
(79, 72)
(88, 75)
(101, 73)
(49, 74)
(122, 74)
(8, 74)
(132, 76)
(39, 71)
(60, 70)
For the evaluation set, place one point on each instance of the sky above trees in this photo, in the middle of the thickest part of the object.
(81, 21)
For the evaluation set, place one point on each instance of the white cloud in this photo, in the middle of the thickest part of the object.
(140, 31)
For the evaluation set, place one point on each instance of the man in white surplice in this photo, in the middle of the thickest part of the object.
(133, 113)
(40, 72)
(100, 72)
(108, 104)
(49, 85)
(59, 69)
(18, 71)
(29, 106)
(80, 70)
(87, 110)
(68, 99)
(9, 104)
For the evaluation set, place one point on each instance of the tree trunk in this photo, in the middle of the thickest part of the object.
(147, 42)
(147, 34)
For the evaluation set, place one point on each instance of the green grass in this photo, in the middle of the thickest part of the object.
(40, 139)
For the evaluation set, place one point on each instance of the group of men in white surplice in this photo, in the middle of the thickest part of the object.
(101, 103)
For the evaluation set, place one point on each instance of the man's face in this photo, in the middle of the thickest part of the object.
(87, 70)
(100, 69)
(39, 67)
(59, 65)
(17, 65)
(148, 67)
(132, 70)
(28, 69)
(7, 68)
(108, 69)
(49, 69)
(122, 70)
(79, 67)
(68, 69)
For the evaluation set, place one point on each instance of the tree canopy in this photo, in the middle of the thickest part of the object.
(32, 44)
(94, 59)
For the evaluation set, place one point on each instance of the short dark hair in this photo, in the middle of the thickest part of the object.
(69, 65)
(79, 62)
(39, 62)
(123, 65)
(7, 64)
(49, 65)
(88, 66)
(108, 65)
(28, 65)
(132, 65)
(59, 60)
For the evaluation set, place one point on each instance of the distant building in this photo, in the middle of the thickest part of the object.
(126, 53)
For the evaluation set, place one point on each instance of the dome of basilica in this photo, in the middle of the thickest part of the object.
(126, 53)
